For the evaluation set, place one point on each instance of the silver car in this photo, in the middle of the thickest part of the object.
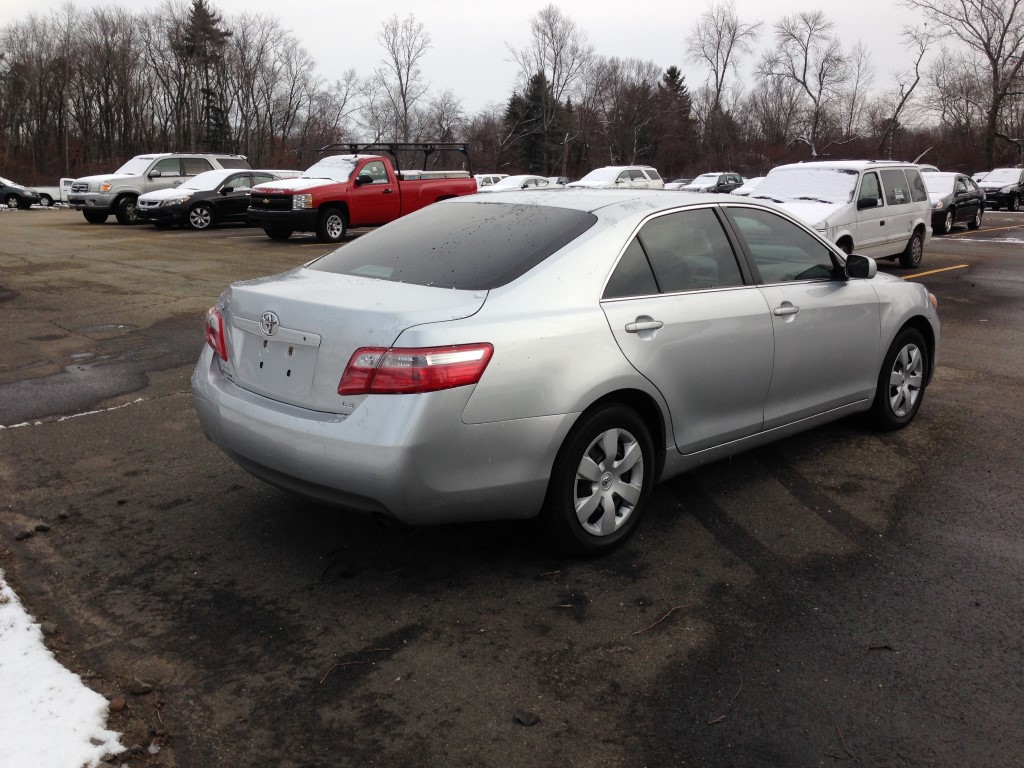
(521, 354)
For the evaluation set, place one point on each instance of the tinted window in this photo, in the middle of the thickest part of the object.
(897, 192)
(870, 189)
(169, 166)
(781, 250)
(195, 165)
(652, 173)
(632, 275)
(961, 186)
(469, 246)
(623, 177)
(918, 191)
(229, 162)
(690, 252)
(262, 178)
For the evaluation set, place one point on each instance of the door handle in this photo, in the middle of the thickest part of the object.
(881, 223)
(644, 325)
(785, 309)
(386, 191)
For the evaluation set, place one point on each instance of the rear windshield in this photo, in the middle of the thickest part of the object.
(467, 246)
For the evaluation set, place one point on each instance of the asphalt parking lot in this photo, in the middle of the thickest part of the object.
(843, 596)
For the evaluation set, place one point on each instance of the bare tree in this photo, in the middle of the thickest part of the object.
(718, 40)
(854, 97)
(399, 80)
(994, 31)
(808, 54)
(898, 98)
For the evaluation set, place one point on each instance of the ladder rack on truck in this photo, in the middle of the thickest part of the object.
(393, 148)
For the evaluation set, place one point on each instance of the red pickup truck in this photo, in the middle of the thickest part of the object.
(354, 190)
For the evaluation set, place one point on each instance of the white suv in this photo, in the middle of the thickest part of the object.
(621, 177)
(875, 208)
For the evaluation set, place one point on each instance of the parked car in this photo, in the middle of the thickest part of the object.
(49, 196)
(1003, 188)
(487, 179)
(955, 198)
(99, 196)
(559, 180)
(518, 182)
(748, 186)
(358, 190)
(677, 183)
(980, 175)
(875, 208)
(16, 195)
(526, 353)
(714, 182)
(211, 198)
(621, 177)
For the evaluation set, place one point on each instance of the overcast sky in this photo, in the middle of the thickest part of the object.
(469, 55)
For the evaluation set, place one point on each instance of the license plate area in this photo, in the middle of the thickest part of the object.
(282, 364)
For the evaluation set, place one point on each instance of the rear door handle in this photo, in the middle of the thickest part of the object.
(644, 325)
(786, 309)
(387, 191)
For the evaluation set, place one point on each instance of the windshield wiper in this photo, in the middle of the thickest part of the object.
(814, 199)
(765, 197)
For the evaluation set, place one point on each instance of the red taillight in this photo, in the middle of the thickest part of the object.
(215, 333)
(381, 371)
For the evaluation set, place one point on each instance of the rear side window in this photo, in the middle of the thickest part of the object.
(690, 252)
(632, 275)
(195, 165)
(467, 246)
(231, 162)
(918, 191)
(897, 192)
(652, 173)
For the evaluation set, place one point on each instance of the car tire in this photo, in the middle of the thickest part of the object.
(975, 223)
(331, 226)
(12, 201)
(95, 217)
(45, 201)
(126, 210)
(914, 252)
(947, 222)
(1014, 203)
(901, 381)
(600, 482)
(277, 232)
(200, 217)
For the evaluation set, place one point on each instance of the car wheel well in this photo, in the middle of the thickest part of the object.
(647, 409)
(845, 244)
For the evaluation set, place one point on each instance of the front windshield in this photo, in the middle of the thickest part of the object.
(135, 167)
(827, 185)
(704, 179)
(1003, 176)
(335, 167)
(939, 183)
(602, 174)
(206, 181)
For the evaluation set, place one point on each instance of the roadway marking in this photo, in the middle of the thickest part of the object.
(987, 229)
(935, 271)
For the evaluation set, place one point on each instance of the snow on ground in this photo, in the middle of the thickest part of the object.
(48, 717)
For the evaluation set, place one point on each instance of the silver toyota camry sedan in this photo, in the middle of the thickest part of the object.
(553, 354)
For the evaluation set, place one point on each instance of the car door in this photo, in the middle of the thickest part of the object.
(869, 229)
(899, 222)
(964, 199)
(825, 326)
(683, 315)
(234, 204)
(378, 201)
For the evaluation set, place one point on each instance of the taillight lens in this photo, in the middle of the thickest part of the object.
(215, 333)
(394, 371)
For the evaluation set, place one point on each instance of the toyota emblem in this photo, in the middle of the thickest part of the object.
(269, 322)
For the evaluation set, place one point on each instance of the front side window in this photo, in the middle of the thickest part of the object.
(623, 177)
(375, 171)
(169, 166)
(961, 186)
(870, 189)
(782, 251)
(689, 251)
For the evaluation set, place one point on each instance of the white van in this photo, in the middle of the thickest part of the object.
(875, 208)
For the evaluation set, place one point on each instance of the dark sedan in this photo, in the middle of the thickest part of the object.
(15, 195)
(205, 200)
(955, 198)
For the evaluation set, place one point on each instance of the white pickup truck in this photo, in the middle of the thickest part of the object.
(53, 195)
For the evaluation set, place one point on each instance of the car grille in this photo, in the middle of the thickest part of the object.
(270, 202)
(148, 203)
(80, 186)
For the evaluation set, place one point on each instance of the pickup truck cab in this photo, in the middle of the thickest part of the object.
(351, 190)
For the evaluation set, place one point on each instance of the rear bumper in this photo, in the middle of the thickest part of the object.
(409, 457)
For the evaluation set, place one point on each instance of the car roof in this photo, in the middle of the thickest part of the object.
(849, 165)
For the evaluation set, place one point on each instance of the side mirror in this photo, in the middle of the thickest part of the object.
(364, 178)
(155, 174)
(860, 266)
(867, 202)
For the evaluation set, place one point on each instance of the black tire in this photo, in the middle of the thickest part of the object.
(1014, 203)
(901, 381)
(201, 216)
(126, 210)
(585, 477)
(975, 223)
(94, 217)
(947, 222)
(331, 226)
(46, 201)
(278, 232)
(12, 201)
(914, 252)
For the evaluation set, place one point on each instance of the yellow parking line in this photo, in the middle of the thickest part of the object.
(988, 229)
(935, 271)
